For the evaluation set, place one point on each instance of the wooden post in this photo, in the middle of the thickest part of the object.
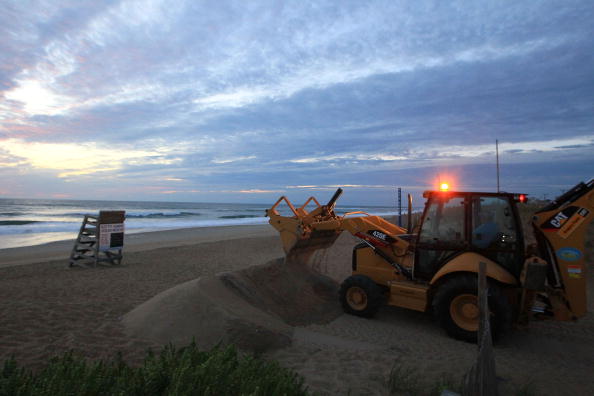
(481, 379)
(409, 223)
(483, 301)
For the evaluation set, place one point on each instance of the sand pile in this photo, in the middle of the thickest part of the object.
(287, 290)
(253, 308)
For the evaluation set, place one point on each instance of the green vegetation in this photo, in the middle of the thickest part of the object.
(527, 389)
(407, 381)
(185, 371)
(403, 380)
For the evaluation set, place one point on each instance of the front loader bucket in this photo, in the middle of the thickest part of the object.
(294, 238)
(306, 232)
(315, 241)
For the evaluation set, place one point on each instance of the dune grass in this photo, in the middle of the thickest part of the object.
(408, 381)
(184, 371)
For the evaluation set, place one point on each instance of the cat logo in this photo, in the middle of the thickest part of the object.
(560, 219)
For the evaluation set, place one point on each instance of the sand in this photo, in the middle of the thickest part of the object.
(135, 242)
(46, 308)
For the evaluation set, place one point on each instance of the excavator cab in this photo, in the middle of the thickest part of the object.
(458, 222)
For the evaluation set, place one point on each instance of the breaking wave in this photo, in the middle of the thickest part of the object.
(239, 217)
(16, 222)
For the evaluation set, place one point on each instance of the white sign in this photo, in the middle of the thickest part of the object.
(111, 236)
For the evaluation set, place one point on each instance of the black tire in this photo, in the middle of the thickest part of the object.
(361, 296)
(455, 292)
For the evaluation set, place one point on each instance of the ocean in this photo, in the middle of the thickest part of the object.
(27, 222)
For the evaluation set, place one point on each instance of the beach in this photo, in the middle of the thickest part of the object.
(47, 308)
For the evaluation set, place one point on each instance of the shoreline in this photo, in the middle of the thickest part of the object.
(141, 241)
(136, 242)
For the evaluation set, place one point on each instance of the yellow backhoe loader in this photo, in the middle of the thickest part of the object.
(435, 266)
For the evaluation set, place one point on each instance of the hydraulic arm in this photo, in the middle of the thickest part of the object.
(560, 230)
(308, 231)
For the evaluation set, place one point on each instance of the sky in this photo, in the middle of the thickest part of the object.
(244, 101)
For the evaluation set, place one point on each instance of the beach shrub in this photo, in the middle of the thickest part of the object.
(404, 380)
(183, 371)
(409, 381)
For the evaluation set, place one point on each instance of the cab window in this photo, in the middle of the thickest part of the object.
(444, 223)
(493, 225)
(442, 235)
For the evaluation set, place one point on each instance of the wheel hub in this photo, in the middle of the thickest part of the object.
(464, 311)
(470, 311)
(356, 298)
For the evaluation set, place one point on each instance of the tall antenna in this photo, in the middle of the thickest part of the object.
(497, 159)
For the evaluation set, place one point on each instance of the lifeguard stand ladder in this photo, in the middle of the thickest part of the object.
(100, 240)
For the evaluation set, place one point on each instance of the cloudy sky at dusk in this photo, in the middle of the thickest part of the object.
(242, 101)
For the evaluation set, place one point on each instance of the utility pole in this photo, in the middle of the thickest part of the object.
(497, 160)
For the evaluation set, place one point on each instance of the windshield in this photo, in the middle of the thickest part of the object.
(444, 222)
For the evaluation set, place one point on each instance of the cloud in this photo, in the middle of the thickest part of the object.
(352, 157)
(333, 187)
(445, 152)
(257, 191)
(256, 96)
(80, 159)
(37, 99)
(234, 159)
(525, 147)
(322, 74)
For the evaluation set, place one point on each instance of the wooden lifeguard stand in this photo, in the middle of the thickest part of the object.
(100, 240)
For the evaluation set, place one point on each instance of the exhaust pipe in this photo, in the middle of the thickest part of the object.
(334, 198)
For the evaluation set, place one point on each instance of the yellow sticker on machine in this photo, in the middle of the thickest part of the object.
(574, 271)
(573, 223)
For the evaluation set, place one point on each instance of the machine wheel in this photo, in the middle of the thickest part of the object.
(361, 296)
(456, 306)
